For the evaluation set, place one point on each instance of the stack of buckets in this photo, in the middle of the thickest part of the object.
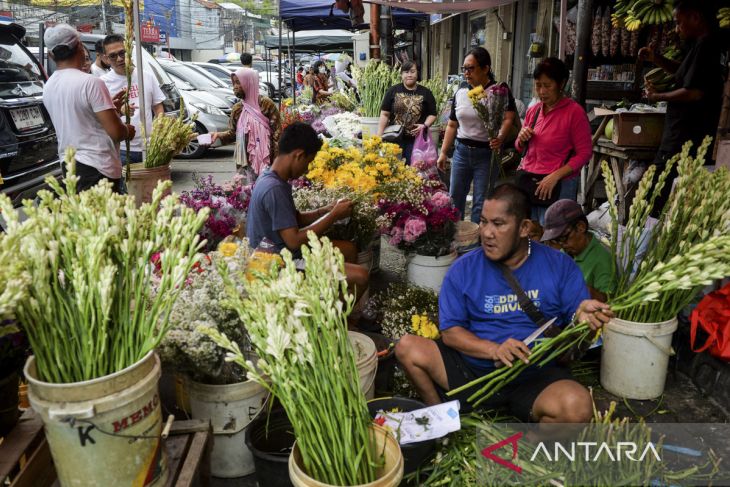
(366, 359)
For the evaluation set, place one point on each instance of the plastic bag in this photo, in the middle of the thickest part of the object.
(424, 155)
(712, 314)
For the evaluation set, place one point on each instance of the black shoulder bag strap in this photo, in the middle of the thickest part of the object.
(532, 126)
(525, 302)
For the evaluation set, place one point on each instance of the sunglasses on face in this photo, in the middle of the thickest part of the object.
(468, 69)
(115, 55)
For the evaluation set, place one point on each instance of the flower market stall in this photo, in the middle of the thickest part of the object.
(102, 293)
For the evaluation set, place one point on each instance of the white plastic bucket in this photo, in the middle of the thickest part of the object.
(369, 126)
(231, 408)
(366, 359)
(429, 272)
(635, 356)
(104, 431)
(365, 258)
(142, 181)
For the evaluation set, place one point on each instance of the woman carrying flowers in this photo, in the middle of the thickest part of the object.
(255, 125)
(410, 105)
(555, 141)
(472, 160)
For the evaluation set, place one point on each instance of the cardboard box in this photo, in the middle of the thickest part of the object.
(635, 129)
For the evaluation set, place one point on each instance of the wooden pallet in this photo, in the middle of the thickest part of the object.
(25, 459)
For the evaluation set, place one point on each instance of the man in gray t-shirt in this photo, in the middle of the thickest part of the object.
(274, 223)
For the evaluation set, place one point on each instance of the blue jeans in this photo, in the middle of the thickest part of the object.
(568, 190)
(472, 164)
(406, 144)
(133, 156)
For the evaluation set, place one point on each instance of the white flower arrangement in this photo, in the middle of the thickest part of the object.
(203, 303)
(344, 125)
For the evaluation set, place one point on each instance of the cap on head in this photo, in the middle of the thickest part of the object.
(559, 217)
(61, 35)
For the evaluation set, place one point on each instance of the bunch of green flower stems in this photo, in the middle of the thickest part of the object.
(89, 310)
(688, 249)
(442, 92)
(458, 462)
(297, 325)
(169, 137)
(128, 6)
(373, 82)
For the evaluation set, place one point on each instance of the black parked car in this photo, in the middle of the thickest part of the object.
(28, 145)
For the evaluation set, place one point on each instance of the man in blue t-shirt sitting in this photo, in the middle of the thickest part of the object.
(481, 320)
(274, 223)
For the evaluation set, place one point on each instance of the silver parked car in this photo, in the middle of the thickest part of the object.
(223, 73)
(210, 113)
(198, 80)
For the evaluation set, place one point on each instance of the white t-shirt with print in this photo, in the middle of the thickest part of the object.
(153, 96)
(73, 98)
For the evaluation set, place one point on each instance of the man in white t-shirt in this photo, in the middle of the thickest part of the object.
(116, 81)
(100, 67)
(82, 111)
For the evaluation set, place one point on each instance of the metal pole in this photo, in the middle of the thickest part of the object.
(374, 31)
(281, 94)
(140, 77)
(563, 23)
(42, 46)
(582, 50)
(103, 17)
(293, 64)
(386, 30)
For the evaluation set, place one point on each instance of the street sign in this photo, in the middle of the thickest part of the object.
(150, 34)
(163, 37)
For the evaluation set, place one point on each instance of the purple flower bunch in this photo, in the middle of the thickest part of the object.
(228, 205)
(426, 229)
(318, 123)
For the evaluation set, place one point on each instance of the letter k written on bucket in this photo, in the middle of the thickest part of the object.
(511, 440)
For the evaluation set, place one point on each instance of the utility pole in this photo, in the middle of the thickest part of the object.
(582, 50)
(386, 32)
(106, 23)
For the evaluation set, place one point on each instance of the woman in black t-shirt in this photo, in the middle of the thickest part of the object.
(408, 104)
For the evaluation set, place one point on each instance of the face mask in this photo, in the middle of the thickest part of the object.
(322, 70)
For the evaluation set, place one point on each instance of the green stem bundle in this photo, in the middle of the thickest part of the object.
(545, 350)
(373, 82)
(169, 137)
(697, 211)
(297, 325)
(89, 309)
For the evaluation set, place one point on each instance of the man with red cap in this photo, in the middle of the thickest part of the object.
(567, 226)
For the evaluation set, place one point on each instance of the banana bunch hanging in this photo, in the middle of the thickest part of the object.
(723, 15)
(633, 14)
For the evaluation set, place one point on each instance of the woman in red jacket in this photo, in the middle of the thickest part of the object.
(555, 140)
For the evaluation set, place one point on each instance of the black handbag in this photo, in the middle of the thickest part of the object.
(393, 133)
(528, 182)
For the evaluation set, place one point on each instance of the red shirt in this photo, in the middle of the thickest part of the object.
(564, 130)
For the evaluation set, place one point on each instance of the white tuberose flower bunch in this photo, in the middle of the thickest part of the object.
(88, 311)
(297, 324)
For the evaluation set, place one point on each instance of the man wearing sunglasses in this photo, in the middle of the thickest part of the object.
(116, 82)
(83, 112)
(566, 226)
